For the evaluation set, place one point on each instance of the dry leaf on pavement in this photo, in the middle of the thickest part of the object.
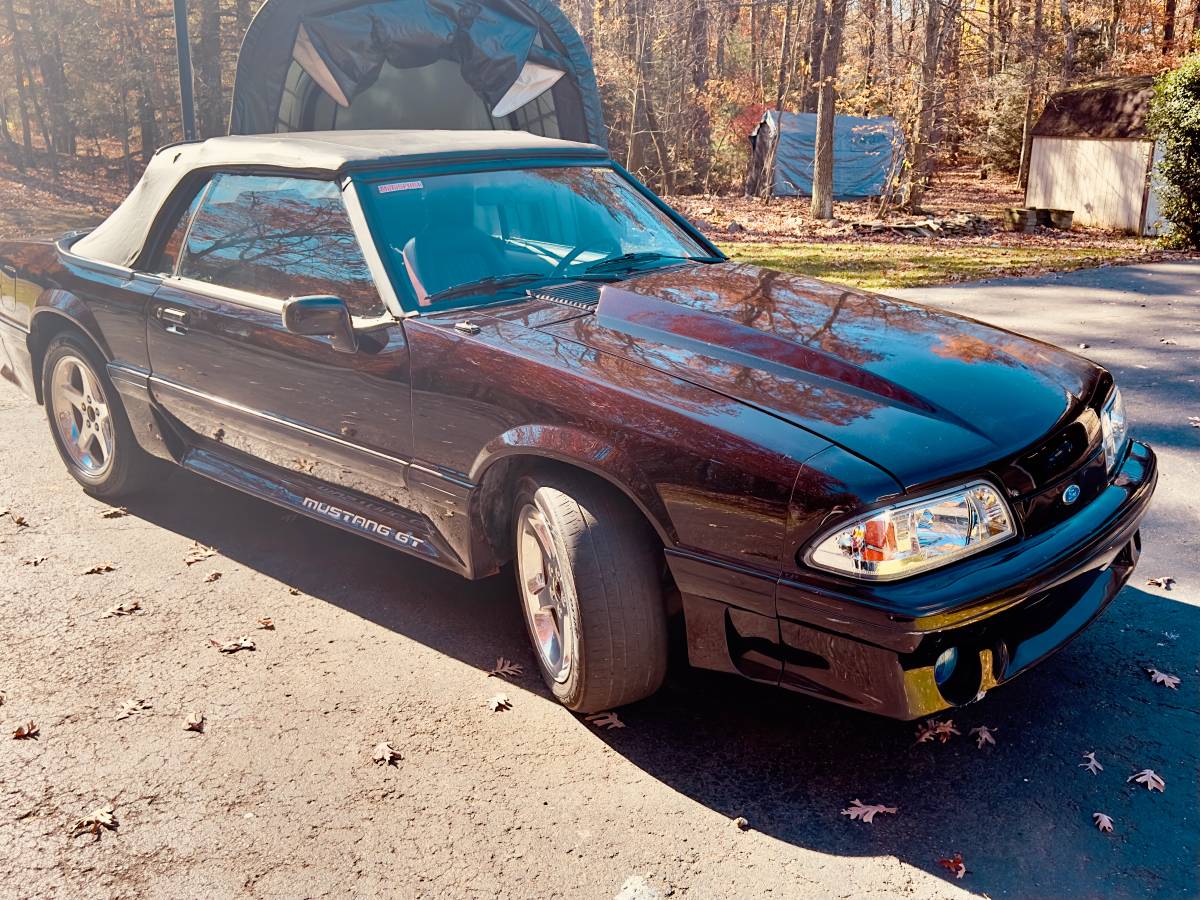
(385, 754)
(99, 818)
(295, 592)
(499, 703)
(867, 812)
(101, 569)
(266, 623)
(1091, 763)
(505, 668)
(198, 553)
(1151, 779)
(132, 708)
(116, 512)
(1103, 822)
(27, 732)
(1166, 582)
(927, 731)
(124, 609)
(983, 736)
(20, 521)
(242, 643)
(954, 864)
(194, 722)
(1171, 681)
(741, 823)
(609, 720)
(211, 577)
(34, 560)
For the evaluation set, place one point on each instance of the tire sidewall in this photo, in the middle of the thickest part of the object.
(570, 690)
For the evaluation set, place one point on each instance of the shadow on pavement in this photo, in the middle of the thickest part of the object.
(1020, 812)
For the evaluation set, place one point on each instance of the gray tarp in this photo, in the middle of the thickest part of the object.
(492, 41)
(865, 154)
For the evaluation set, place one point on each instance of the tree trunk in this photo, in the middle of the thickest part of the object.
(922, 131)
(831, 53)
(781, 86)
(1031, 96)
(1069, 41)
(19, 69)
(816, 44)
(210, 98)
(1170, 10)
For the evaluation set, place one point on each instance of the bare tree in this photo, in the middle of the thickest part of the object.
(831, 54)
(1031, 95)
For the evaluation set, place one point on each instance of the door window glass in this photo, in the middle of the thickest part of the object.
(279, 237)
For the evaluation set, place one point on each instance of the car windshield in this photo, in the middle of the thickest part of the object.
(475, 235)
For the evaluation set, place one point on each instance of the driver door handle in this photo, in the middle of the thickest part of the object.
(174, 319)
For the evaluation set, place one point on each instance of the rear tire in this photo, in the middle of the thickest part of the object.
(588, 575)
(88, 422)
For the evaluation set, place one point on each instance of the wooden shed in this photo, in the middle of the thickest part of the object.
(1091, 154)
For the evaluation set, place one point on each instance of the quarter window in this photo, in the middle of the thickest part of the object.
(279, 237)
(174, 245)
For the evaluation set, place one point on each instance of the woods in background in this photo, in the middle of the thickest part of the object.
(683, 82)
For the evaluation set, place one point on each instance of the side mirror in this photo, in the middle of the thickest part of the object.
(321, 317)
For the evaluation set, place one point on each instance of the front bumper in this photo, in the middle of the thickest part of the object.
(873, 647)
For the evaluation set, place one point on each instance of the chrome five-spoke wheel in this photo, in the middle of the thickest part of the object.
(81, 415)
(547, 610)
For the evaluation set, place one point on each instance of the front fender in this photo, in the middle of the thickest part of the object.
(584, 451)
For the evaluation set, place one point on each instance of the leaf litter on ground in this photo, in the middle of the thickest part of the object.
(1091, 763)
(133, 707)
(499, 703)
(1171, 681)
(385, 754)
(101, 569)
(266, 623)
(505, 668)
(194, 722)
(211, 577)
(984, 735)
(1166, 582)
(607, 719)
(123, 609)
(934, 728)
(866, 812)
(1151, 779)
(34, 561)
(1103, 822)
(198, 553)
(115, 512)
(242, 643)
(99, 819)
(954, 865)
(27, 731)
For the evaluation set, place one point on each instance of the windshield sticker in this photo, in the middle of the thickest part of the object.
(401, 186)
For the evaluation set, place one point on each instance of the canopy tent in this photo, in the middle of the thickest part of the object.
(866, 154)
(316, 65)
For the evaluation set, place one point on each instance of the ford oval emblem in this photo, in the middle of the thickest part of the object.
(1071, 494)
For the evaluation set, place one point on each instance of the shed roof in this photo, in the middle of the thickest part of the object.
(1110, 109)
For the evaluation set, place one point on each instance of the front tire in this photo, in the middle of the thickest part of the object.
(588, 575)
(88, 422)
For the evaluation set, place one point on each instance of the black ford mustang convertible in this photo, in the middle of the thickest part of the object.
(483, 348)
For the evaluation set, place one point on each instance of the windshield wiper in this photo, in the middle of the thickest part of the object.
(490, 283)
(632, 259)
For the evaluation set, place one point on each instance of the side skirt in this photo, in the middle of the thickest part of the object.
(392, 526)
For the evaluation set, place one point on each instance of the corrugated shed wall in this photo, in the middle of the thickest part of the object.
(1103, 181)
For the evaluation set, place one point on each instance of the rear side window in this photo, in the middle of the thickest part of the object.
(279, 237)
(174, 245)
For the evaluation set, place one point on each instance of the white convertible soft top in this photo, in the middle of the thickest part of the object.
(120, 238)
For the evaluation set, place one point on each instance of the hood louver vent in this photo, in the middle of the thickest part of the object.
(579, 294)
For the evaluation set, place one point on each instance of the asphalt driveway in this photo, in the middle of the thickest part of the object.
(279, 796)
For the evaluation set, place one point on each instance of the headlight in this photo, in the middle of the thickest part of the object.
(1115, 429)
(914, 537)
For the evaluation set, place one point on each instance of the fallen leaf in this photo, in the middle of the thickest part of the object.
(101, 569)
(198, 553)
(867, 812)
(34, 560)
(1166, 341)
(1171, 681)
(132, 708)
(116, 512)
(927, 731)
(1194, 421)
(266, 623)
(385, 753)
(984, 736)
(27, 732)
(102, 817)
(1166, 582)
(295, 592)
(1151, 779)
(211, 577)
(20, 521)
(741, 823)
(499, 703)
(954, 864)
(125, 609)
(243, 643)
(1103, 822)
(194, 722)
(1091, 763)
(609, 720)
(506, 669)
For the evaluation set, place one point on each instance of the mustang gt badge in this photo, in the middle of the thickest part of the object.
(1071, 494)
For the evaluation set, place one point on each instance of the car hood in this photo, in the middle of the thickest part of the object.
(921, 393)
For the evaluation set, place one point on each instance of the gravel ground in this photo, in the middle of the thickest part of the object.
(279, 797)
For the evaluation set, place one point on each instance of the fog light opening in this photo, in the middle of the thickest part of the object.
(958, 674)
(943, 669)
